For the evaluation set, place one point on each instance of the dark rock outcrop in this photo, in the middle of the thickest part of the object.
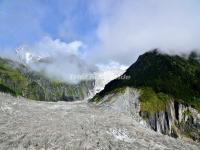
(176, 120)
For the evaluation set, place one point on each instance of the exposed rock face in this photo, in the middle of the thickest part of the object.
(176, 119)
(125, 101)
(162, 121)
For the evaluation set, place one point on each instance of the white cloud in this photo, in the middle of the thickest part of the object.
(51, 47)
(129, 28)
(111, 66)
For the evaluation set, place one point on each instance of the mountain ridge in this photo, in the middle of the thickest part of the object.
(169, 93)
(19, 79)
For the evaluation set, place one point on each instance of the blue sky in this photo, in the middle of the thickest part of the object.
(27, 21)
(108, 30)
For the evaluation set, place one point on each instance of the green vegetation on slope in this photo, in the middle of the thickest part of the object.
(119, 90)
(152, 102)
(11, 78)
(35, 91)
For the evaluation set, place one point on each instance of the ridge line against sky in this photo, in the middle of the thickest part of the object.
(108, 30)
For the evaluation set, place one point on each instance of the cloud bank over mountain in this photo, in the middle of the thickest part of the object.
(57, 59)
(128, 28)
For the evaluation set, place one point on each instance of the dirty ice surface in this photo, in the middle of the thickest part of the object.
(33, 125)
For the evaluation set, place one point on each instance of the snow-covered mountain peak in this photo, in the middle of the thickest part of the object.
(27, 57)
